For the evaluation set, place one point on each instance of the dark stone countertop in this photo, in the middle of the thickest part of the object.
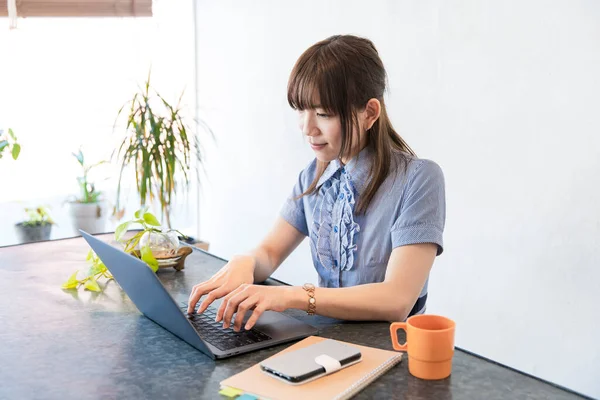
(57, 344)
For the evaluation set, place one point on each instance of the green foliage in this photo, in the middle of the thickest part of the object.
(96, 271)
(159, 145)
(89, 194)
(148, 258)
(9, 143)
(38, 216)
(149, 223)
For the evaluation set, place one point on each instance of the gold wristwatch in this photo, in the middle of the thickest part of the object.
(312, 302)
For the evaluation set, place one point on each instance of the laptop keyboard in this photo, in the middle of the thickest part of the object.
(223, 339)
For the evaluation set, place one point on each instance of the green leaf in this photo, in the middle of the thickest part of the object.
(79, 156)
(72, 282)
(150, 219)
(148, 258)
(121, 229)
(89, 256)
(16, 150)
(94, 197)
(141, 211)
(3, 144)
(12, 134)
(96, 268)
(92, 285)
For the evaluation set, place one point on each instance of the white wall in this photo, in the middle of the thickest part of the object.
(504, 95)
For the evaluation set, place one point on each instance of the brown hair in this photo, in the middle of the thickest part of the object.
(346, 72)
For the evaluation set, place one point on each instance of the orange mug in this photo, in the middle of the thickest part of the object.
(429, 344)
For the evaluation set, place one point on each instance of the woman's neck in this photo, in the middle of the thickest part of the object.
(346, 160)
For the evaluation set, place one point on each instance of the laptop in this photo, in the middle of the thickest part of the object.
(199, 330)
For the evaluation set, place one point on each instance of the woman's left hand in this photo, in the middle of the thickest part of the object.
(257, 298)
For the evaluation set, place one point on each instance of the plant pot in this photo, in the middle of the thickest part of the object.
(33, 233)
(164, 245)
(90, 217)
(165, 249)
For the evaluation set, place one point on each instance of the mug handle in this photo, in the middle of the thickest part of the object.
(393, 333)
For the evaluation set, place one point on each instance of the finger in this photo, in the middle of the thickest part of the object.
(201, 289)
(232, 306)
(197, 292)
(223, 307)
(258, 311)
(244, 307)
(212, 296)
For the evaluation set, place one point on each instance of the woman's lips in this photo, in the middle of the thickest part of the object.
(317, 146)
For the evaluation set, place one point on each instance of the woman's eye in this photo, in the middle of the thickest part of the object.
(322, 115)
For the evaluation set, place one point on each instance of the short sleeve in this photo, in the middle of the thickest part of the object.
(423, 208)
(293, 209)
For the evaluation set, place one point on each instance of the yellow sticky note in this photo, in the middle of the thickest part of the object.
(230, 392)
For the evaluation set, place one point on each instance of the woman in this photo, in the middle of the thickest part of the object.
(373, 211)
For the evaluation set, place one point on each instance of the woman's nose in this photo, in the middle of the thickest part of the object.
(307, 125)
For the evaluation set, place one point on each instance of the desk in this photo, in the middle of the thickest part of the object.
(57, 344)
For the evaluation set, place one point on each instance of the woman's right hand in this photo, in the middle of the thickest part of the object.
(236, 272)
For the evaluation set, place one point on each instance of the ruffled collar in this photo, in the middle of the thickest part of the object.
(357, 169)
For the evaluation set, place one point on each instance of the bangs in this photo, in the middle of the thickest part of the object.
(312, 84)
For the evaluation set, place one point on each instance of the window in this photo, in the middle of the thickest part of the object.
(62, 83)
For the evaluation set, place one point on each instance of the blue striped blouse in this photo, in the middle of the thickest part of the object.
(349, 249)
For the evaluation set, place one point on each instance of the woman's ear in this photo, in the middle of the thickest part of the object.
(371, 113)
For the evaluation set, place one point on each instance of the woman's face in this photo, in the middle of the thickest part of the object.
(324, 134)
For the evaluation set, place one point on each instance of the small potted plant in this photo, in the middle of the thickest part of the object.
(88, 211)
(37, 226)
(157, 247)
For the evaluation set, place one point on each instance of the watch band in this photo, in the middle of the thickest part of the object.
(312, 302)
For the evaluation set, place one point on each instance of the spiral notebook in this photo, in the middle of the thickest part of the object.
(340, 385)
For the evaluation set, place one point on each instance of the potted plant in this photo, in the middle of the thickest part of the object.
(160, 147)
(156, 247)
(37, 226)
(88, 211)
(9, 143)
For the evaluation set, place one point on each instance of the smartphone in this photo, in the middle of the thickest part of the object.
(299, 366)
